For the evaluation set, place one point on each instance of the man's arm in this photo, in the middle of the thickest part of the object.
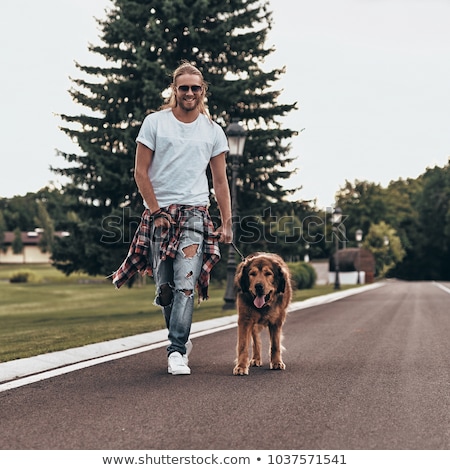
(144, 157)
(222, 191)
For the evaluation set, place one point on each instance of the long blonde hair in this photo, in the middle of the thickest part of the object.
(187, 69)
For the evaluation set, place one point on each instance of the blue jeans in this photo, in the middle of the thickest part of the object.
(176, 279)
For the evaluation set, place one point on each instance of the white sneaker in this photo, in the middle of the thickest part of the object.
(176, 365)
(188, 351)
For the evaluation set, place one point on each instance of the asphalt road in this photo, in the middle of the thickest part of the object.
(370, 371)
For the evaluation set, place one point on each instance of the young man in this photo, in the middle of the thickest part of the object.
(174, 148)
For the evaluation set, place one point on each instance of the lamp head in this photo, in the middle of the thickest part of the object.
(336, 217)
(236, 138)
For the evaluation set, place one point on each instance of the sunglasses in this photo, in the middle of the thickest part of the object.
(194, 88)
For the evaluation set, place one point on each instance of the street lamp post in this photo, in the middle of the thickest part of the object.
(358, 237)
(386, 243)
(236, 140)
(336, 220)
(306, 257)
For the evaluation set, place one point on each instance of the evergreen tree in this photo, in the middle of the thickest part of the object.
(44, 222)
(143, 41)
(17, 243)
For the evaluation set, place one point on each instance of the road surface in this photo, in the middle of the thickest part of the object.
(369, 371)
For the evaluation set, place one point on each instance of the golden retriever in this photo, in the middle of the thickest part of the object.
(264, 291)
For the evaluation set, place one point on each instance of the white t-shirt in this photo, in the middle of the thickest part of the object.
(181, 154)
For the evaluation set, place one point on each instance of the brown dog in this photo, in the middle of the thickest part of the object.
(263, 295)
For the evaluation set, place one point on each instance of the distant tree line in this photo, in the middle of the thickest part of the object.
(417, 211)
(406, 225)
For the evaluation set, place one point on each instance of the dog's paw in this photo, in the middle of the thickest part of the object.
(278, 365)
(238, 370)
(256, 363)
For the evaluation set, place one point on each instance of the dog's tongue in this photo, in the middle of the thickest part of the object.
(259, 301)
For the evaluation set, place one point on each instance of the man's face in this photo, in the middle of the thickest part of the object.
(189, 92)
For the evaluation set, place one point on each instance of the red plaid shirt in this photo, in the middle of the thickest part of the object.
(139, 257)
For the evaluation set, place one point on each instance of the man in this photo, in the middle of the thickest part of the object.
(174, 148)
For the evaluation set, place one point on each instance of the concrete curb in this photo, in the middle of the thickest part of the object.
(19, 372)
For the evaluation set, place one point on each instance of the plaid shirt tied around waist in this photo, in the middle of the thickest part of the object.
(138, 258)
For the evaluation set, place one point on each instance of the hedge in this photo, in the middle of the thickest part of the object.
(303, 275)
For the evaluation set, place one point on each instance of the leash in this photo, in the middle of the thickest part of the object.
(237, 251)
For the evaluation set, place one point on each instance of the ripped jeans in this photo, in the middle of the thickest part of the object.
(176, 279)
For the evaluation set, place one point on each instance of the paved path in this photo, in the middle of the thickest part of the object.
(21, 372)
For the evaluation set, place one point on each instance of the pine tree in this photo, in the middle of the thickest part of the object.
(44, 222)
(143, 41)
(17, 243)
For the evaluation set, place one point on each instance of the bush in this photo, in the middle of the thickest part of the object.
(23, 276)
(303, 275)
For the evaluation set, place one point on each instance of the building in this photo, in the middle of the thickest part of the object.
(353, 263)
(31, 252)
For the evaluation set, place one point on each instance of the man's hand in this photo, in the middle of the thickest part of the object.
(162, 219)
(224, 234)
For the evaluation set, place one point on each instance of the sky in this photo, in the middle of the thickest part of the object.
(371, 79)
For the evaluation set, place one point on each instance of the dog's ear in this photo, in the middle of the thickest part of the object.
(241, 280)
(280, 277)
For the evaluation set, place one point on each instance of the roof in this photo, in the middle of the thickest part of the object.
(29, 238)
(354, 259)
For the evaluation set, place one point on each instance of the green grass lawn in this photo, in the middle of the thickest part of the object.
(56, 312)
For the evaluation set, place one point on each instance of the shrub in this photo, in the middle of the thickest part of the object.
(23, 276)
(303, 275)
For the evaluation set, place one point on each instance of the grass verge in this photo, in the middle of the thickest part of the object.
(56, 312)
